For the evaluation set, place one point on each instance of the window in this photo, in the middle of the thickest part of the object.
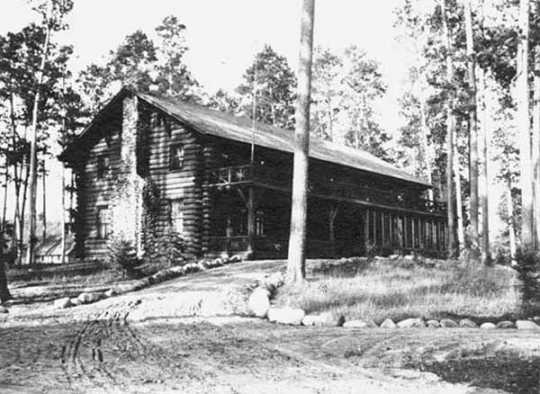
(176, 212)
(103, 165)
(103, 222)
(176, 157)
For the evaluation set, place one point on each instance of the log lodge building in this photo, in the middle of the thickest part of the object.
(224, 185)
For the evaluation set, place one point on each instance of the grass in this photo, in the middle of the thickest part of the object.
(400, 288)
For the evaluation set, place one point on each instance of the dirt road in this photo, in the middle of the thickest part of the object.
(235, 355)
(137, 343)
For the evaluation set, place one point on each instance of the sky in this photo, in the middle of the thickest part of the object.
(223, 37)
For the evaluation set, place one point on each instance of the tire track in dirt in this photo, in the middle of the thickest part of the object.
(96, 354)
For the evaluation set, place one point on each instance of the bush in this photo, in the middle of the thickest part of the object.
(123, 257)
(167, 250)
(528, 268)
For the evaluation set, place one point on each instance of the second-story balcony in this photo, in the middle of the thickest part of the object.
(225, 177)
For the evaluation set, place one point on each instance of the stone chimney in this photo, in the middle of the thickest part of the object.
(126, 203)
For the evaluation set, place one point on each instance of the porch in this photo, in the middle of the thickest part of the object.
(250, 212)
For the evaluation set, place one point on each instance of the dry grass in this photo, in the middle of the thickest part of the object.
(403, 288)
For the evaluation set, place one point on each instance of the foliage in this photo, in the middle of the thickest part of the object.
(122, 256)
(346, 88)
(270, 83)
(528, 268)
(168, 250)
(145, 65)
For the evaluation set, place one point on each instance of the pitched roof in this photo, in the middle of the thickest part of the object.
(236, 128)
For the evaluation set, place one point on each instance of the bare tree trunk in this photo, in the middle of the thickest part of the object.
(536, 143)
(426, 154)
(473, 154)
(450, 130)
(459, 202)
(30, 255)
(4, 202)
(485, 253)
(44, 201)
(63, 220)
(296, 266)
(522, 118)
(510, 212)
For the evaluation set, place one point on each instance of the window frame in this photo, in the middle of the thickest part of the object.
(181, 216)
(172, 150)
(103, 166)
(103, 227)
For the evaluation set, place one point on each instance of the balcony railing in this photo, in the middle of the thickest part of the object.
(247, 173)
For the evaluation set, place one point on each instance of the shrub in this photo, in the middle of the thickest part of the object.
(167, 250)
(528, 268)
(123, 257)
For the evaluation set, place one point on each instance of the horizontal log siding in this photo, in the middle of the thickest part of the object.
(94, 192)
(184, 183)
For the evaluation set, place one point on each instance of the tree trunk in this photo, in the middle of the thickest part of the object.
(296, 266)
(63, 220)
(536, 143)
(523, 126)
(450, 131)
(485, 253)
(459, 203)
(44, 207)
(30, 255)
(426, 154)
(473, 154)
(510, 212)
(4, 202)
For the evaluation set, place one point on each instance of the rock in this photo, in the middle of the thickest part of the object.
(109, 293)
(193, 267)
(505, 324)
(467, 323)
(448, 323)
(272, 282)
(125, 288)
(259, 302)
(75, 302)
(388, 323)
(3, 309)
(433, 324)
(411, 323)
(88, 298)
(287, 315)
(324, 319)
(487, 326)
(62, 303)
(359, 324)
(527, 325)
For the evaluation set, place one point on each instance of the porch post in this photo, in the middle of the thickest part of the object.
(251, 220)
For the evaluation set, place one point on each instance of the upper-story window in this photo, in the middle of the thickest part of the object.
(176, 156)
(103, 165)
